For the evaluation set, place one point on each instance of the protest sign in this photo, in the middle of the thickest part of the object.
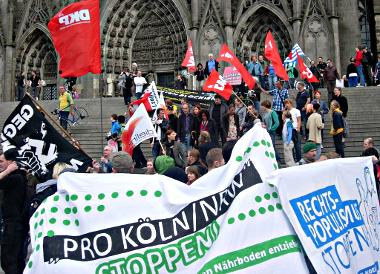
(334, 209)
(193, 97)
(226, 221)
(232, 76)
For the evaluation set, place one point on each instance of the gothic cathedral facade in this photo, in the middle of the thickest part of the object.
(154, 34)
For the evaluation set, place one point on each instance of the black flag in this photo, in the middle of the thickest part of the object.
(38, 143)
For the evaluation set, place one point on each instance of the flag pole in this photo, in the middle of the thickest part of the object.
(241, 101)
(41, 109)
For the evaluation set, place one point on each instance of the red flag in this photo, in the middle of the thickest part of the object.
(305, 72)
(189, 60)
(75, 32)
(216, 83)
(271, 53)
(144, 100)
(227, 56)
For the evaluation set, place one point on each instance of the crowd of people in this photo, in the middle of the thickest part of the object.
(193, 140)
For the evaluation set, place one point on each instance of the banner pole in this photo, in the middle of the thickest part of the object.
(236, 96)
(75, 142)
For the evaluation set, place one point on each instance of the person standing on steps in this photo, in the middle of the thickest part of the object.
(330, 76)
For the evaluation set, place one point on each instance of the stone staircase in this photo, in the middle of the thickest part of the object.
(362, 118)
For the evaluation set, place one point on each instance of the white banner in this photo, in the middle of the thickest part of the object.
(154, 98)
(334, 209)
(226, 221)
(138, 128)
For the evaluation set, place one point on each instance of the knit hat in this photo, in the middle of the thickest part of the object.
(122, 162)
(309, 146)
(176, 173)
(163, 163)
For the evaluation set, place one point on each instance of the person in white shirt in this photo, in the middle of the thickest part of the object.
(296, 119)
(139, 84)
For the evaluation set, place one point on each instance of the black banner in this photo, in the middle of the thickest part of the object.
(193, 97)
(39, 144)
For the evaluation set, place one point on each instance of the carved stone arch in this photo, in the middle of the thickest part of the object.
(211, 34)
(317, 37)
(32, 49)
(282, 5)
(124, 24)
(251, 31)
(242, 21)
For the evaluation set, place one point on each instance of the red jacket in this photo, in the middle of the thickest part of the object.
(358, 58)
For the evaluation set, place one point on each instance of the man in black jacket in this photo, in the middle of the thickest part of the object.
(14, 228)
(217, 111)
(185, 124)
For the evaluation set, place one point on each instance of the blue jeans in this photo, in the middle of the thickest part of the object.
(63, 120)
(352, 81)
(361, 75)
(257, 105)
(138, 95)
(187, 142)
(20, 92)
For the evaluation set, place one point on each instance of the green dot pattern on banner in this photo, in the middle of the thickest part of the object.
(87, 208)
(239, 158)
(56, 198)
(256, 144)
(143, 192)
(35, 225)
(129, 193)
(262, 210)
(41, 222)
(101, 196)
(66, 222)
(36, 215)
(37, 247)
(88, 197)
(67, 197)
(50, 233)
(53, 221)
(54, 209)
(67, 210)
(75, 210)
(115, 195)
(74, 197)
(76, 222)
(43, 211)
(39, 235)
(241, 216)
(101, 208)
(158, 193)
(30, 264)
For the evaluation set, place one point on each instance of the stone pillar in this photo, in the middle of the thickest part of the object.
(297, 8)
(195, 12)
(9, 77)
(349, 29)
(228, 23)
(376, 9)
(335, 26)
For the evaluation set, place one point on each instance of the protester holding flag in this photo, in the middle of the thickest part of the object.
(161, 125)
